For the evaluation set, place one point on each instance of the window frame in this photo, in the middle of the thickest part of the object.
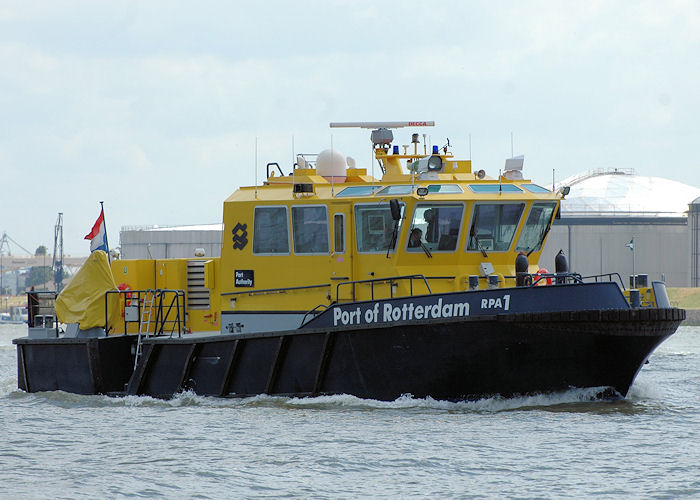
(458, 189)
(453, 203)
(536, 188)
(386, 191)
(485, 188)
(549, 222)
(287, 221)
(377, 204)
(343, 235)
(515, 231)
(374, 189)
(328, 238)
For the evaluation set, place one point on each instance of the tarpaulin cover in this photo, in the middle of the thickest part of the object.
(83, 299)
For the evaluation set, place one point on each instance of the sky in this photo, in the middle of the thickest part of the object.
(154, 107)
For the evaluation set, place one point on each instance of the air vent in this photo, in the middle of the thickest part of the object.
(303, 188)
(197, 293)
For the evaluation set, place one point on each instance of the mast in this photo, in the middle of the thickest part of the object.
(57, 264)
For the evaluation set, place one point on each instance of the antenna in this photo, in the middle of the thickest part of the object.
(332, 176)
(511, 145)
(371, 162)
(470, 147)
(256, 167)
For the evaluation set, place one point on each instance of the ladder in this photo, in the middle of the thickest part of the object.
(144, 323)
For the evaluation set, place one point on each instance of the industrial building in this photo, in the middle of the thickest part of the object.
(604, 211)
(166, 242)
(616, 221)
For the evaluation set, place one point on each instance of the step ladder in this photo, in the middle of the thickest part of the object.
(144, 323)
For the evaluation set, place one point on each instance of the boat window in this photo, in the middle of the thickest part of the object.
(358, 191)
(374, 227)
(493, 226)
(310, 229)
(538, 221)
(435, 226)
(444, 189)
(270, 231)
(339, 233)
(534, 188)
(495, 188)
(394, 190)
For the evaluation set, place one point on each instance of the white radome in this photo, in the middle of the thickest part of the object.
(330, 164)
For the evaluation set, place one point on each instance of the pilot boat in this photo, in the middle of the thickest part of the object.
(423, 281)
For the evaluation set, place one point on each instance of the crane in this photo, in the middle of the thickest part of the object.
(57, 265)
(5, 244)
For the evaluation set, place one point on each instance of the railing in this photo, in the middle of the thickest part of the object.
(533, 279)
(610, 276)
(40, 306)
(391, 280)
(313, 311)
(275, 290)
(169, 309)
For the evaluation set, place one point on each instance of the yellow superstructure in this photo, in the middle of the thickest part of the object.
(308, 239)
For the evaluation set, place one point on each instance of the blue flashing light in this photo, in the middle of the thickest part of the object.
(395, 150)
(435, 149)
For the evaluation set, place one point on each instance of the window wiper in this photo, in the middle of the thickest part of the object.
(473, 236)
(394, 235)
(426, 250)
(544, 235)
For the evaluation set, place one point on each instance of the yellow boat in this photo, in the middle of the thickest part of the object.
(423, 281)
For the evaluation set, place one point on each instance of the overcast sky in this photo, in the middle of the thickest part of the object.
(154, 106)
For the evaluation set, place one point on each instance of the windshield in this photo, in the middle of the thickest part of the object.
(535, 227)
(436, 226)
(493, 226)
(374, 228)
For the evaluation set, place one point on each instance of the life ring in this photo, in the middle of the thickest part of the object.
(543, 280)
(127, 295)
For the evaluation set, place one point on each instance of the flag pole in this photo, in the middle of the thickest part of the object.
(634, 276)
(104, 221)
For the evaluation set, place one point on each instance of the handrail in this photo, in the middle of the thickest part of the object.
(271, 290)
(610, 278)
(563, 278)
(303, 320)
(532, 279)
(162, 318)
(273, 164)
(390, 280)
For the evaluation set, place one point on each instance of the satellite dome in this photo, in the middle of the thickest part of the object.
(330, 164)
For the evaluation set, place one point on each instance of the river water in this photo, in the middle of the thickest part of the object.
(59, 445)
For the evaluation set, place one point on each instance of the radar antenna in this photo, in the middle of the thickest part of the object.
(382, 136)
(382, 124)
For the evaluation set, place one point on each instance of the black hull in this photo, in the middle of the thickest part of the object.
(450, 359)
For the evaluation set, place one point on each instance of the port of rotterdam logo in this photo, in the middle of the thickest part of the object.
(240, 236)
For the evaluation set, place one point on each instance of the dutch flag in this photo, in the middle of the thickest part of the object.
(98, 235)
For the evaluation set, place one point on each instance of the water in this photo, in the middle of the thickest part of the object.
(58, 445)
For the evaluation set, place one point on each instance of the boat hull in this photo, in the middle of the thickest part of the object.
(450, 359)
